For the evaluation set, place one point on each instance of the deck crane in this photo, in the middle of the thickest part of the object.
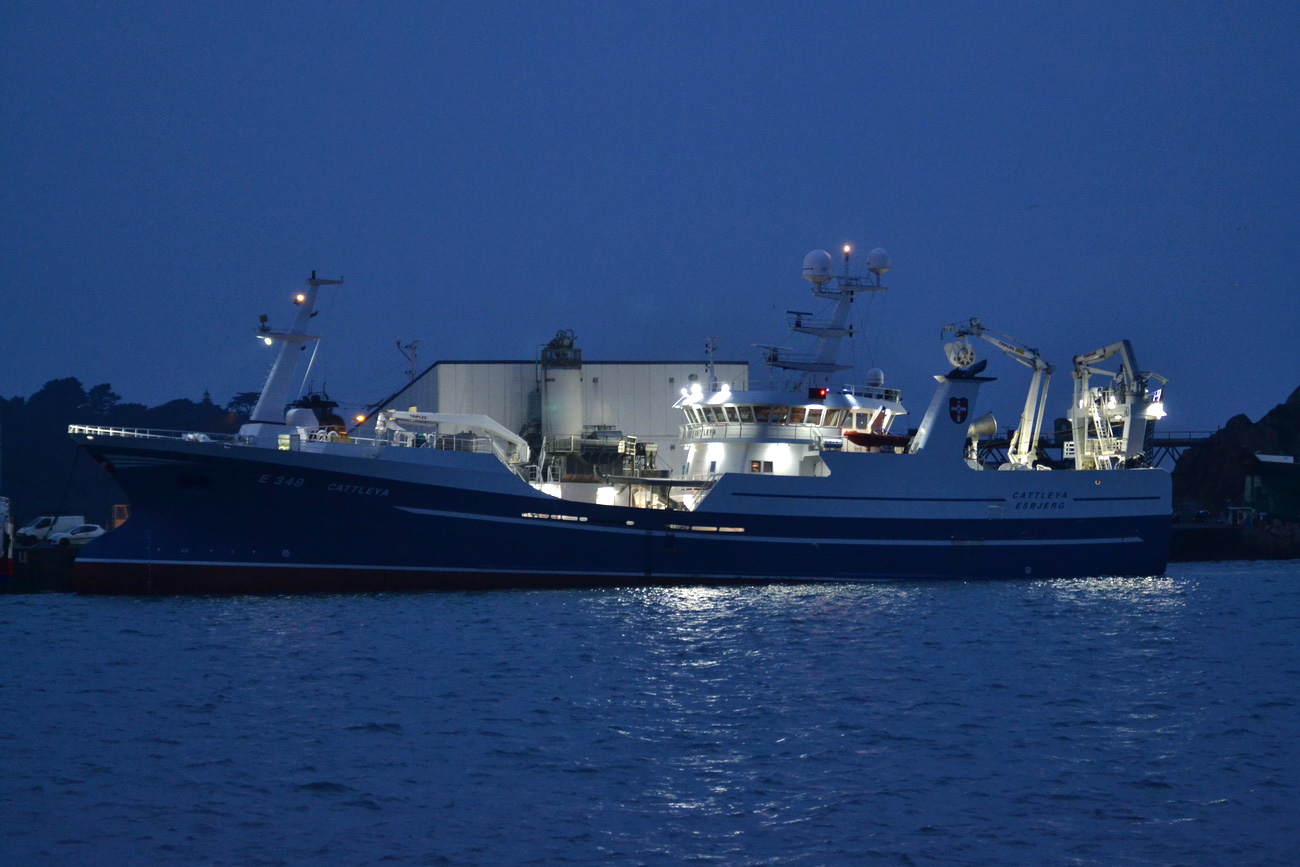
(1112, 425)
(1024, 442)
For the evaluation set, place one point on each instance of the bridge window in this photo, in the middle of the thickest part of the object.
(731, 414)
(797, 415)
(815, 415)
(746, 413)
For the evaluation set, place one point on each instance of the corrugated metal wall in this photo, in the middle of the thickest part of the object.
(635, 397)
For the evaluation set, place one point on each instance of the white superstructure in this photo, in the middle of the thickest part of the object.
(782, 426)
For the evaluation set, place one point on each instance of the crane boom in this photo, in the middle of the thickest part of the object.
(1111, 425)
(1025, 440)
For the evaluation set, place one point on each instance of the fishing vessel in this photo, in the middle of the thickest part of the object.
(793, 478)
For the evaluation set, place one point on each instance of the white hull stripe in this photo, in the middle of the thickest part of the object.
(750, 537)
(860, 498)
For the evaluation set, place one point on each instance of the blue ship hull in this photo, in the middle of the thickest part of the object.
(214, 518)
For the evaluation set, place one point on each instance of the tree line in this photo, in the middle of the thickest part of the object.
(42, 471)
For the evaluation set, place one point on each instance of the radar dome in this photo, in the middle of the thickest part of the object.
(817, 266)
(875, 377)
(878, 261)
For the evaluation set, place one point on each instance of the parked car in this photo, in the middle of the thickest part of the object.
(78, 535)
(40, 529)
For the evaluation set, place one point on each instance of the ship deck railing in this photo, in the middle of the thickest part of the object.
(407, 439)
(740, 430)
(460, 442)
(876, 392)
(151, 433)
(1099, 446)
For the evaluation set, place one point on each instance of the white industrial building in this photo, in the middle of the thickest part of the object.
(563, 398)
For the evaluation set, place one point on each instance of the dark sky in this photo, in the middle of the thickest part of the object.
(649, 175)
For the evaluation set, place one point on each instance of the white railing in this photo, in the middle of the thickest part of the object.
(780, 431)
(412, 440)
(403, 439)
(151, 433)
(799, 386)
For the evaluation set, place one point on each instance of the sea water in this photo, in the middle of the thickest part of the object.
(1100, 721)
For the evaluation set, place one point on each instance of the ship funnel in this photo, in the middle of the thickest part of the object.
(943, 431)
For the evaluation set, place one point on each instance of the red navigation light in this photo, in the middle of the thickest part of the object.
(816, 394)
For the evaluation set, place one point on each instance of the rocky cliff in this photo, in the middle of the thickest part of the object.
(1212, 475)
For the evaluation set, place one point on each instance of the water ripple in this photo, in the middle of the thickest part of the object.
(1097, 721)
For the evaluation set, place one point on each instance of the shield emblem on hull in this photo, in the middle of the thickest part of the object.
(958, 407)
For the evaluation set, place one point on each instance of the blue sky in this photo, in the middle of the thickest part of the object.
(649, 175)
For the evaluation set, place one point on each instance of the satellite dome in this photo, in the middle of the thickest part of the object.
(878, 261)
(817, 266)
(875, 377)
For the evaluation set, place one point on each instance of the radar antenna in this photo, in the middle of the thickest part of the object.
(409, 352)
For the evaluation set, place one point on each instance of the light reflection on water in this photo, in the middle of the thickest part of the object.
(1096, 721)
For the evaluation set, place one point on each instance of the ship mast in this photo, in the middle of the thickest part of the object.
(279, 382)
(831, 330)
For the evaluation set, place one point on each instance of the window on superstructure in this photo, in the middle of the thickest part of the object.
(779, 413)
(797, 414)
(761, 413)
(731, 414)
(833, 418)
(746, 413)
(861, 420)
(814, 415)
(760, 466)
